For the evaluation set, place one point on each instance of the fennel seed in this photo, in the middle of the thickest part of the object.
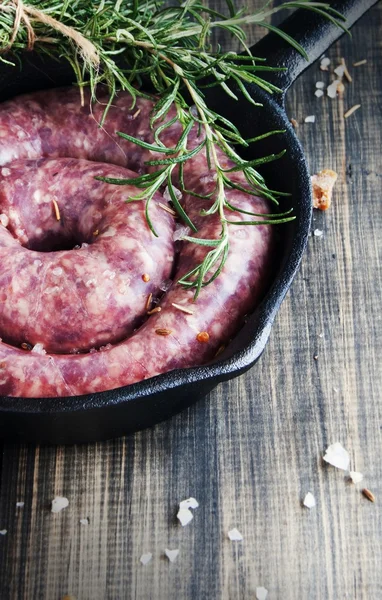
(368, 494)
(148, 301)
(56, 209)
(183, 309)
(167, 209)
(163, 331)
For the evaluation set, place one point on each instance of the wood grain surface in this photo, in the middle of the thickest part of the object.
(251, 450)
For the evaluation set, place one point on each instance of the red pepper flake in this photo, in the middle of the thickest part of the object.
(157, 309)
(146, 277)
(26, 346)
(96, 232)
(203, 337)
(163, 331)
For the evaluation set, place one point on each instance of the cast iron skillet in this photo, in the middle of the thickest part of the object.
(117, 412)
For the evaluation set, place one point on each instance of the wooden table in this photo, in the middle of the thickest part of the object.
(252, 449)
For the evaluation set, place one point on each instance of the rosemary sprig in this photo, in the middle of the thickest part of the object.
(134, 45)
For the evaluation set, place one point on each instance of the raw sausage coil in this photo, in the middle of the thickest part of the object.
(49, 132)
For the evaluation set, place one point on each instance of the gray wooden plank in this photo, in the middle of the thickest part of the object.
(253, 448)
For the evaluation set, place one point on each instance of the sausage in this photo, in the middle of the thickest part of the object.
(76, 300)
(185, 332)
(53, 123)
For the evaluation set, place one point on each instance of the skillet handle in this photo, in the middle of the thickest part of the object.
(313, 32)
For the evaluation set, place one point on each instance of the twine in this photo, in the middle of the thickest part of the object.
(23, 12)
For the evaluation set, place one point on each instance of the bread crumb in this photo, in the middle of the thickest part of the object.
(310, 119)
(294, 123)
(322, 188)
(319, 93)
(3, 532)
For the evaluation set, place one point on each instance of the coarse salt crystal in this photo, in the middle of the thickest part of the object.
(332, 89)
(59, 503)
(340, 70)
(20, 504)
(84, 521)
(261, 593)
(180, 232)
(337, 456)
(91, 283)
(309, 500)
(109, 274)
(38, 349)
(4, 220)
(58, 271)
(320, 85)
(171, 554)
(356, 477)
(235, 535)
(5, 172)
(189, 503)
(3, 532)
(105, 348)
(324, 64)
(208, 178)
(165, 285)
(145, 558)
(319, 93)
(318, 233)
(310, 119)
(166, 193)
(185, 516)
